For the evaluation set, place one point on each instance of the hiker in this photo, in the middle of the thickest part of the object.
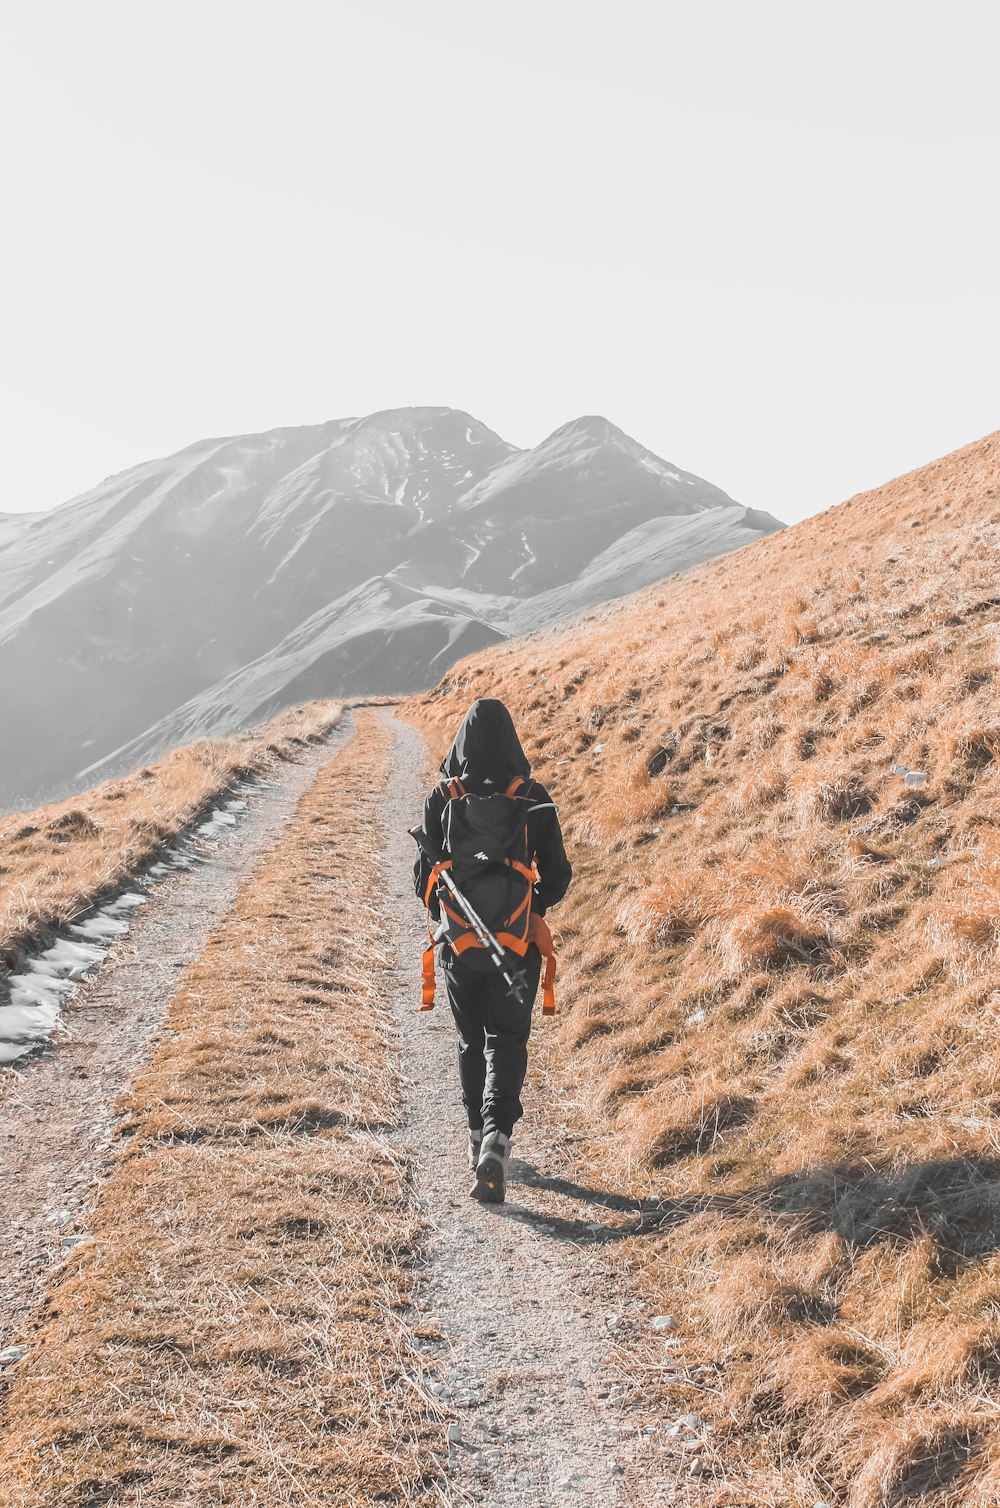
(497, 832)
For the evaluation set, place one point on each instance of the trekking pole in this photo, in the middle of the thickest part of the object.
(516, 984)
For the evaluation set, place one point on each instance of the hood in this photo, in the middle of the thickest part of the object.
(486, 751)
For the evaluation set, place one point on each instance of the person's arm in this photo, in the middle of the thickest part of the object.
(431, 826)
(554, 868)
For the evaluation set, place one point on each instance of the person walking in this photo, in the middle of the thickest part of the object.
(496, 831)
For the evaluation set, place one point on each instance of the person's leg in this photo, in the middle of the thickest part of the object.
(465, 996)
(508, 1025)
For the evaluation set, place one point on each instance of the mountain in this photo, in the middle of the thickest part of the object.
(12, 525)
(188, 593)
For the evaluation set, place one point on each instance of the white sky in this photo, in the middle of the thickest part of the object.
(761, 237)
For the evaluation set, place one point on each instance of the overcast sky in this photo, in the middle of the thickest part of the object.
(762, 238)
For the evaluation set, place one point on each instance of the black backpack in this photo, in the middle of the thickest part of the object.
(486, 849)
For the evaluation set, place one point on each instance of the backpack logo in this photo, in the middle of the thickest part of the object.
(483, 856)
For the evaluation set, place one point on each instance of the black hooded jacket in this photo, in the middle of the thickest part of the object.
(486, 756)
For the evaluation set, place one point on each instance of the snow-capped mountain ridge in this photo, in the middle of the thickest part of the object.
(354, 555)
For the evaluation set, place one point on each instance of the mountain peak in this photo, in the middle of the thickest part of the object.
(593, 428)
(422, 418)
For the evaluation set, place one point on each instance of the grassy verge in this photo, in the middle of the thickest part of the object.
(56, 862)
(779, 978)
(234, 1329)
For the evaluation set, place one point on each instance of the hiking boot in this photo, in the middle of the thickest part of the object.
(475, 1145)
(491, 1169)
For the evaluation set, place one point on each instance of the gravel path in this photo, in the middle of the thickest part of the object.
(522, 1301)
(57, 1108)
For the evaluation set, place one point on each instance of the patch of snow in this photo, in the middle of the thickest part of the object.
(100, 928)
(67, 959)
(37, 989)
(210, 828)
(659, 468)
(125, 903)
(36, 995)
(531, 560)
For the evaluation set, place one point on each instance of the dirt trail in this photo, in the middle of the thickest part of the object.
(520, 1293)
(57, 1110)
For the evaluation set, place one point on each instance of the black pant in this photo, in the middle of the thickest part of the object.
(493, 1033)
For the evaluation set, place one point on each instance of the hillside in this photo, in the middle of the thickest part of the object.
(190, 594)
(778, 773)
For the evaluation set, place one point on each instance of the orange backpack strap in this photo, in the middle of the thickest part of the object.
(427, 979)
(427, 969)
(540, 935)
(432, 880)
(549, 986)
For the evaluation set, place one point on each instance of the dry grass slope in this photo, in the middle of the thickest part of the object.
(56, 862)
(235, 1330)
(780, 966)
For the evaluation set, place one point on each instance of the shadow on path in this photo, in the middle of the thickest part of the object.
(648, 1215)
(955, 1201)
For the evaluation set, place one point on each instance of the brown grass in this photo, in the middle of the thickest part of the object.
(794, 960)
(58, 861)
(234, 1329)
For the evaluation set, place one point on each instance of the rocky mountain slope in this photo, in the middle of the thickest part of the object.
(240, 575)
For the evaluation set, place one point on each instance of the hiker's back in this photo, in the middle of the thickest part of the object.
(487, 849)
